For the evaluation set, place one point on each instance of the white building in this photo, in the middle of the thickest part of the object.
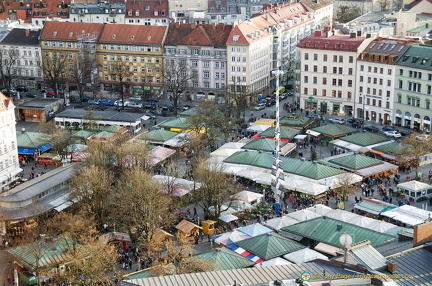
(202, 48)
(27, 70)
(98, 13)
(249, 54)
(9, 165)
(376, 72)
(328, 66)
(189, 11)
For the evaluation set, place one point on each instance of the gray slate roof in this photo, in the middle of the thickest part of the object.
(18, 37)
(244, 276)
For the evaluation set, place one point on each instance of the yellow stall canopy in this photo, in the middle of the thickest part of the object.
(266, 121)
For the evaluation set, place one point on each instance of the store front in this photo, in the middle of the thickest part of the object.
(426, 124)
(417, 122)
(336, 108)
(398, 118)
(408, 120)
(348, 110)
(374, 116)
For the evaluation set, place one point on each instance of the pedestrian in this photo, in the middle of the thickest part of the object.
(45, 166)
(195, 211)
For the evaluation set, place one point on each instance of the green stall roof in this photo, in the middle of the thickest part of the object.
(31, 139)
(365, 139)
(266, 145)
(158, 135)
(356, 161)
(270, 245)
(335, 130)
(325, 230)
(180, 123)
(285, 132)
(225, 259)
(392, 148)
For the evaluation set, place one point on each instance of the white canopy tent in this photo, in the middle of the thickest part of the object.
(257, 128)
(304, 255)
(273, 262)
(280, 222)
(226, 152)
(320, 209)
(303, 215)
(247, 196)
(341, 215)
(182, 183)
(228, 218)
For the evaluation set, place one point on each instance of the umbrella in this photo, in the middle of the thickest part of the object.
(273, 262)
(280, 222)
(230, 238)
(254, 229)
(341, 215)
(247, 196)
(304, 255)
(228, 218)
(320, 209)
(248, 174)
(303, 215)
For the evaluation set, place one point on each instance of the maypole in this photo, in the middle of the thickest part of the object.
(277, 171)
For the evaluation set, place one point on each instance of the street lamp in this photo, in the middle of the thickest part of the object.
(364, 111)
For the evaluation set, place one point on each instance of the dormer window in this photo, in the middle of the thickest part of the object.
(54, 33)
(70, 34)
(44, 5)
(132, 37)
(236, 38)
(156, 12)
(147, 7)
(114, 36)
(130, 12)
(88, 35)
(137, 12)
(163, 12)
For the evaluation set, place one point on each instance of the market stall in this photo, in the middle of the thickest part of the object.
(415, 190)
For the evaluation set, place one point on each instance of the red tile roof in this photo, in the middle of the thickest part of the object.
(55, 30)
(282, 11)
(140, 5)
(198, 34)
(138, 34)
(51, 9)
(336, 42)
(246, 34)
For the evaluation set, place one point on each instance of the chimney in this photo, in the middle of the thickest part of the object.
(27, 32)
(326, 29)
(193, 25)
(353, 35)
(318, 34)
(392, 266)
(359, 33)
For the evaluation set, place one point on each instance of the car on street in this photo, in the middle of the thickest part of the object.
(134, 104)
(389, 128)
(22, 88)
(405, 132)
(314, 116)
(423, 137)
(135, 98)
(28, 94)
(337, 120)
(93, 101)
(150, 114)
(270, 102)
(120, 103)
(186, 107)
(371, 128)
(290, 93)
(260, 106)
(393, 134)
(106, 102)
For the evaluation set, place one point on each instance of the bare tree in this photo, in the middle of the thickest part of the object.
(415, 148)
(121, 72)
(216, 190)
(237, 99)
(8, 67)
(58, 138)
(347, 13)
(345, 186)
(177, 79)
(140, 204)
(384, 5)
(289, 67)
(54, 68)
(84, 65)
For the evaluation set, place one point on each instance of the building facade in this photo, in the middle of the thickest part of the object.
(104, 12)
(413, 88)
(131, 56)
(147, 12)
(376, 79)
(328, 66)
(201, 48)
(249, 58)
(9, 165)
(189, 11)
(27, 68)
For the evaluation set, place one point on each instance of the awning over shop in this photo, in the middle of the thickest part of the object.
(313, 133)
(26, 151)
(373, 206)
(44, 147)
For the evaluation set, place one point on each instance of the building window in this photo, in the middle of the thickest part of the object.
(349, 95)
(339, 82)
(324, 81)
(324, 69)
(351, 59)
(361, 67)
(306, 68)
(315, 57)
(324, 58)
(334, 81)
(341, 59)
(306, 56)
(315, 79)
(315, 68)
(306, 79)
(335, 57)
(335, 70)
(340, 70)
(306, 90)
(350, 71)
(324, 92)
(350, 82)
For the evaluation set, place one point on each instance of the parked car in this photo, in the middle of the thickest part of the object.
(270, 102)
(389, 128)
(283, 95)
(28, 94)
(423, 137)
(11, 92)
(371, 128)
(337, 120)
(93, 101)
(260, 106)
(150, 114)
(136, 98)
(186, 107)
(393, 134)
(290, 93)
(134, 104)
(405, 132)
(120, 103)
(106, 102)
(314, 116)
(22, 88)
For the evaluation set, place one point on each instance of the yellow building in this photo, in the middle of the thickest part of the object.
(131, 56)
